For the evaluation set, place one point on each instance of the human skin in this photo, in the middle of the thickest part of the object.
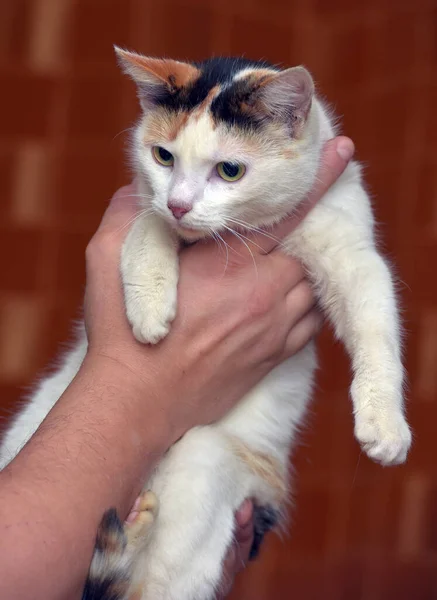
(121, 413)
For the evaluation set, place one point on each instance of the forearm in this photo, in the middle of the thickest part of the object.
(94, 450)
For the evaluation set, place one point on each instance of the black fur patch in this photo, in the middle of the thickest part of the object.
(264, 519)
(110, 533)
(215, 72)
(107, 589)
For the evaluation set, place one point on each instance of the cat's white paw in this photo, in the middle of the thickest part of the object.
(151, 323)
(383, 435)
(151, 311)
(152, 326)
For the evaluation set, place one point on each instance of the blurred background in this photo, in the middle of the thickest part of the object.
(357, 531)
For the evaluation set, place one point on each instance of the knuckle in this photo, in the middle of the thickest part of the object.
(306, 294)
(260, 303)
(274, 340)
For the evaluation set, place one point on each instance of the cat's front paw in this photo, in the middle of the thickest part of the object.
(383, 435)
(152, 326)
(150, 314)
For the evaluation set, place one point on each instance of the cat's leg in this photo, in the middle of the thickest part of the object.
(149, 269)
(356, 290)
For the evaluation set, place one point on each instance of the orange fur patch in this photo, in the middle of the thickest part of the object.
(163, 126)
(288, 153)
(204, 105)
(178, 122)
(174, 73)
(264, 466)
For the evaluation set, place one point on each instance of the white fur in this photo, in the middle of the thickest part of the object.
(200, 483)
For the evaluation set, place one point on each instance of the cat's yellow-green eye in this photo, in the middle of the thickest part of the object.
(163, 156)
(230, 171)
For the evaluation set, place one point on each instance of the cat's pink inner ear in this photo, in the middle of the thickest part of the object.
(289, 94)
(146, 70)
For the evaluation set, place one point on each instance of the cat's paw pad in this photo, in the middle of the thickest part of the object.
(142, 516)
(385, 438)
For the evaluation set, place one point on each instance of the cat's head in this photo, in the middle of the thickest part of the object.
(226, 143)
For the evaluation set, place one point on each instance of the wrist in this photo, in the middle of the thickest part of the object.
(137, 396)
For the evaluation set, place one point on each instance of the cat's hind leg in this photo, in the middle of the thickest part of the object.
(201, 483)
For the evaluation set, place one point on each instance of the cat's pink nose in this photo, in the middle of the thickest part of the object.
(178, 209)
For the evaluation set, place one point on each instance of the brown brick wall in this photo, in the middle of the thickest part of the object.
(360, 532)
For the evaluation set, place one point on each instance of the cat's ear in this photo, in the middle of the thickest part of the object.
(154, 76)
(288, 95)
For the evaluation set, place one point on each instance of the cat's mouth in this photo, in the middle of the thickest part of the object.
(190, 234)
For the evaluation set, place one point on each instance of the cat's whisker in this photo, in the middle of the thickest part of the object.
(121, 132)
(356, 471)
(226, 245)
(254, 229)
(250, 241)
(142, 196)
(140, 214)
(238, 236)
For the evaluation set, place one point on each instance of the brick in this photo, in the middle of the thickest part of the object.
(26, 105)
(88, 177)
(15, 26)
(7, 166)
(110, 18)
(405, 581)
(309, 523)
(20, 250)
(174, 30)
(96, 107)
(276, 51)
(71, 265)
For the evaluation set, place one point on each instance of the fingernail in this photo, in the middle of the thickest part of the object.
(132, 516)
(244, 513)
(345, 149)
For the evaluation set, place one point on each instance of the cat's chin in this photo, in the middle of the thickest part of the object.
(190, 235)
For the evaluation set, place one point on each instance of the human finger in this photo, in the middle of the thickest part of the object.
(120, 212)
(238, 553)
(299, 302)
(283, 271)
(303, 332)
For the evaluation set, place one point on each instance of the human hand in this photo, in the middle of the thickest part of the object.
(233, 325)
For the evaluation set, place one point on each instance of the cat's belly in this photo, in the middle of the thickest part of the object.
(205, 477)
(267, 417)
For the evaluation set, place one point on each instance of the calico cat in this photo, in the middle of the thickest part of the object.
(233, 144)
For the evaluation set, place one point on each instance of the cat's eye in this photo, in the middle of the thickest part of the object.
(163, 156)
(230, 171)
